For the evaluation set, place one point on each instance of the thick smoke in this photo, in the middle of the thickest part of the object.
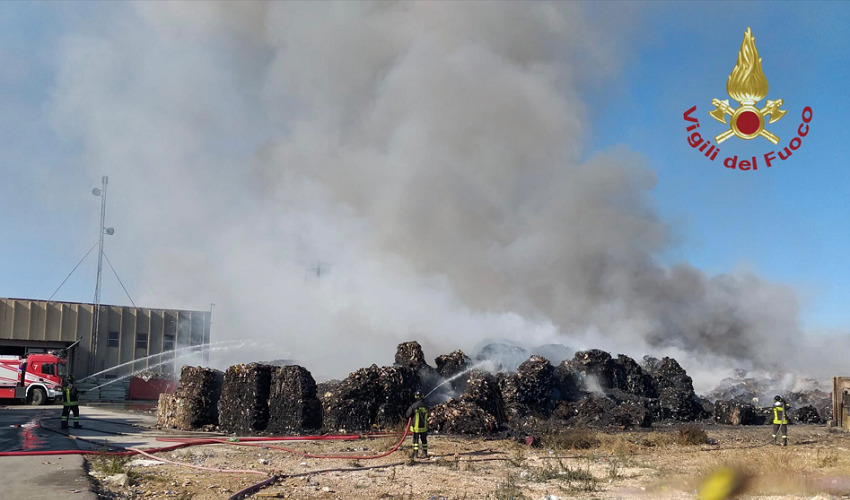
(339, 177)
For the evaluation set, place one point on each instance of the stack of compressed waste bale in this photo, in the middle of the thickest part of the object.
(509, 387)
(244, 403)
(535, 386)
(449, 365)
(354, 405)
(194, 404)
(410, 355)
(676, 395)
(293, 403)
(598, 366)
(482, 390)
(398, 387)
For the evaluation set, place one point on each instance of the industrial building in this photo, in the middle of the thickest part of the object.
(126, 334)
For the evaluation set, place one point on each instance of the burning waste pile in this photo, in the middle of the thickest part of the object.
(592, 389)
(745, 399)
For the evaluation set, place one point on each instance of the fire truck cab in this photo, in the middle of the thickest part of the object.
(35, 378)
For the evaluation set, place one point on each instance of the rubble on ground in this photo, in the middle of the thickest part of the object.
(461, 417)
(806, 415)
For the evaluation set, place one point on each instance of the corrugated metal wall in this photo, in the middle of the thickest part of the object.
(126, 333)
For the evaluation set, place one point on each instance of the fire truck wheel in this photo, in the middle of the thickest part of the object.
(38, 397)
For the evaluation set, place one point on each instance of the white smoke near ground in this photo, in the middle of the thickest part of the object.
(341, 177)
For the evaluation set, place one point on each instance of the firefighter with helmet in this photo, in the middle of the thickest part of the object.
(418, 415)
(780, 419)
(70, 394)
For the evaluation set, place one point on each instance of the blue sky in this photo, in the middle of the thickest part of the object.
(789, 223)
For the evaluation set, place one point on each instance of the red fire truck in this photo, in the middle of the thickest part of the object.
(35, 378)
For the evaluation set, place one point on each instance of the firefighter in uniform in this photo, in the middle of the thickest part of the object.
(70, 394)
(418, 415)
(780, 419)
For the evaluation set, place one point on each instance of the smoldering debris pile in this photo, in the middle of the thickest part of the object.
(461, 417)
(370, 398)
(591, 389)
(812, 405)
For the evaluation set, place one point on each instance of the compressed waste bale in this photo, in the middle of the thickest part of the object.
(535, 385)
(165, 411)
(461, 417)
(667, 373)
(293, 403)
(244, 403)
(509, 387)
(675, 388)
(735, 413)
(450, 365)
(567, 385)
(636, 381)
(370, 397)
(200, 388)
(398, 386)
(806, 415)
(194, 404)
(354, 405)
(409, 354)
(326, 392)
(482, 389)
(597, 364)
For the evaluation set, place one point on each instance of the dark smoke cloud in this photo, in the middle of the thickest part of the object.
(427, 158)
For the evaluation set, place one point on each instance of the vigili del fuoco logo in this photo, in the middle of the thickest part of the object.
(747, 85)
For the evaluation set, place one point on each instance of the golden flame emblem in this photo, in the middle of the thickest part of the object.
(747, 85)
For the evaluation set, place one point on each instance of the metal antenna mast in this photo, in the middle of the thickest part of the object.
(103, 230)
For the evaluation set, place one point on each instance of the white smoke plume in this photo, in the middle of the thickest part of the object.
(341, 177)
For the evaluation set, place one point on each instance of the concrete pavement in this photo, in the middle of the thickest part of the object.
(30, 428)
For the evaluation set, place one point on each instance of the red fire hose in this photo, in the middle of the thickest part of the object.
(246, 441)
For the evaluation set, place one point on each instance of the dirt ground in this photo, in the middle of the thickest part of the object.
(652, 464)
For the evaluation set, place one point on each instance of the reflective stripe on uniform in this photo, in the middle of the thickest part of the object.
(66, 397)
(420, 420)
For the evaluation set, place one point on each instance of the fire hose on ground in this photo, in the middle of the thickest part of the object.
(247, 441)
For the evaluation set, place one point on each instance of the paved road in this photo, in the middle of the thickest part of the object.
(29, 428)
(26, 428)
(33, 428)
